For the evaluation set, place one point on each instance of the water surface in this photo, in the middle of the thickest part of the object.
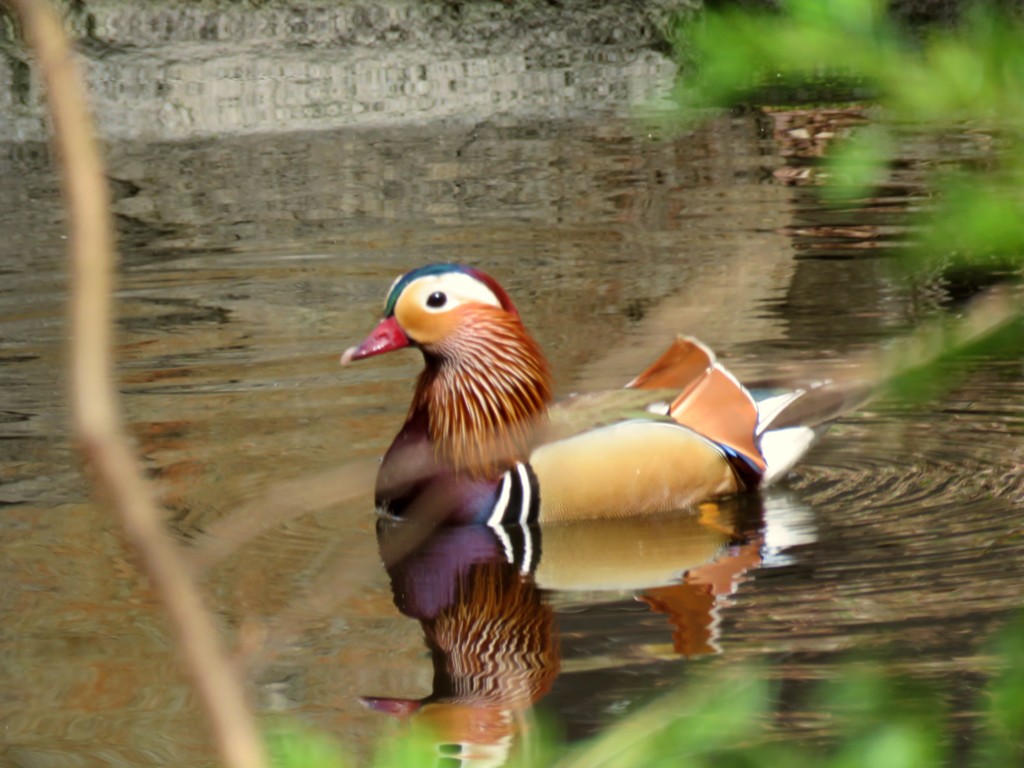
(250, 263)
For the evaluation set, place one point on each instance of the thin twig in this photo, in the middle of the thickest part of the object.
(94, 399)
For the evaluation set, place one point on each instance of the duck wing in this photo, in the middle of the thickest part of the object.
(710, 400)
(685, 386)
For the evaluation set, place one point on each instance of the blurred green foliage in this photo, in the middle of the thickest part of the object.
(292, 747)
(941, 80)
(880, 719)
(695, 725)
(1004, 712)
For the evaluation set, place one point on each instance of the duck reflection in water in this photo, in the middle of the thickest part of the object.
(484, 598)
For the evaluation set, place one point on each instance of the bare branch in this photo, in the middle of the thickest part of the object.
(94, 400)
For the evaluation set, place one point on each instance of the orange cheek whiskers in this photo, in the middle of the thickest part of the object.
(483, 414)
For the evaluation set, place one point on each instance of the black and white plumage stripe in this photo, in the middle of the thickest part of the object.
(514, 516)
(518, 499)
(521, 544)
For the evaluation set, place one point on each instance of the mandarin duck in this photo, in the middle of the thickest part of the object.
(484, 441)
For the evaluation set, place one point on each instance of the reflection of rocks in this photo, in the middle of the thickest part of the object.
(803, 134)
(180, 71)
(572, 201)
(845, 252)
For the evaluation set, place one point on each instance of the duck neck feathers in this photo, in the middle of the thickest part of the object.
(484, 390)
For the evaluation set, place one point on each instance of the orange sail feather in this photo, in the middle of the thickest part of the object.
(711, 403)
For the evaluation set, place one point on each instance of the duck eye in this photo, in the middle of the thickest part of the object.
(436, 300)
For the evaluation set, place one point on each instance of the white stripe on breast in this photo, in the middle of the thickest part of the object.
(502, 503)
(524, 478)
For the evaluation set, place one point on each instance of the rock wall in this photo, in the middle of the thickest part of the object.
(180, 71)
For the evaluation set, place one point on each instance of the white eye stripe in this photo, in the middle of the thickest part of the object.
(458, 288)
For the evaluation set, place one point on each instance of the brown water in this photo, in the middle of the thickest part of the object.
(250, 263)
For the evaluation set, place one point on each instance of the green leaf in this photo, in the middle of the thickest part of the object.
(293, 747)
(415, 747)
(858, 165)
(708, 717)
(1004, 744)
(978, 216)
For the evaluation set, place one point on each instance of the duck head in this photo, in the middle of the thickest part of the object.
(429, 306)
(485, 382)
